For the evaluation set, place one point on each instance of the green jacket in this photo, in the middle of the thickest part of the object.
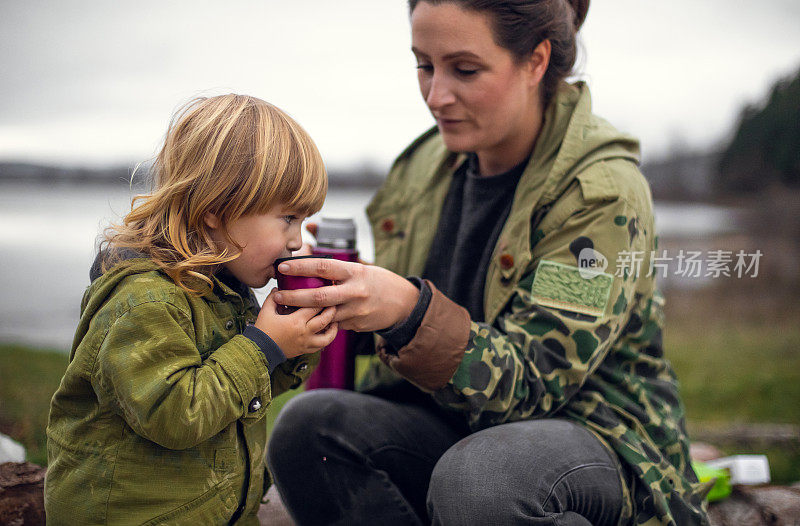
(160, 415)
(557, 340)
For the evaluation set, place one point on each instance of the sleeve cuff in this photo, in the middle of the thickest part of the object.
(398, 336)
(246, 366)
(266, 345)
(431, 358)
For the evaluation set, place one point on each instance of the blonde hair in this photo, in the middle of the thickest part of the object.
(231, 156)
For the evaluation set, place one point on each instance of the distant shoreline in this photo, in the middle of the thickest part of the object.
(27, 173)
(683, 179)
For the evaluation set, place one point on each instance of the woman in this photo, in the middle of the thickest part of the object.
(523, 380)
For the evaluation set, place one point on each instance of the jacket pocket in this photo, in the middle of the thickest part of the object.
(215, 506)
(152, 485)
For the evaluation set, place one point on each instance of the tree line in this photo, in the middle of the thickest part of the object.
(765, 149)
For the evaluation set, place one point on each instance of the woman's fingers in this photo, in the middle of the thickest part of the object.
(345, 312)
(320, 297)
(366, 297)
(327, 268)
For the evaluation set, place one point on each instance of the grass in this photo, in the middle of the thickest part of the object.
(29, 379)
(738, 373)
(736, 363)
(737, 355)
(746, 375)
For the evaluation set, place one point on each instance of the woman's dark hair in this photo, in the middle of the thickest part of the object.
(520, 25)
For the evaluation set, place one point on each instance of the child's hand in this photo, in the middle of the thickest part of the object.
(304, 331)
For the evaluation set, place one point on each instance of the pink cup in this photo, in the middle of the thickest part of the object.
(286, 282)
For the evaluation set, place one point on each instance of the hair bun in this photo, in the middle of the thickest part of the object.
(579, 9)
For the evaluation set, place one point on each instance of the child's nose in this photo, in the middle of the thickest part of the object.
(295, 242)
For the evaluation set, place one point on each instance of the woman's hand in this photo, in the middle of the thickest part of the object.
(301, 332)
(367, 297)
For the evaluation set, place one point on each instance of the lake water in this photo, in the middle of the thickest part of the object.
(48, 235)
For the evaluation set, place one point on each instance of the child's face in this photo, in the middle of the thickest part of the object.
(263, 238)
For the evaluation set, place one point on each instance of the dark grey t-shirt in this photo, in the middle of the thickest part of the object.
(473, 214)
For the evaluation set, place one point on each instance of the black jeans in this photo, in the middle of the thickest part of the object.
(340, 457)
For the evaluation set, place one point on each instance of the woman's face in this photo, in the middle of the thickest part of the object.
(481, 98)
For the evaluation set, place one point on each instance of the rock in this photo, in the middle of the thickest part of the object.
(21, 494)
(756, 506)
(11, 451)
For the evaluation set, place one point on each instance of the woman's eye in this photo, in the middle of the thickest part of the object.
(425, 67)
(289, 219)
(466, 72)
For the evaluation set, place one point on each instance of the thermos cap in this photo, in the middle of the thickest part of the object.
(334, 232)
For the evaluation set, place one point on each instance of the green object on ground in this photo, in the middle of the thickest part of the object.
(722, 485)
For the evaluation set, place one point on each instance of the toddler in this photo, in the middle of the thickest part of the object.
(160, 415)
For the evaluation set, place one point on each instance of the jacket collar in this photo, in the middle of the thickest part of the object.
(128, 261)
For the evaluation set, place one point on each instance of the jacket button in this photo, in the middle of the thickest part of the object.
(255, 405)
(229, 324)
(302, 367)
(387, 225)
(506, 261)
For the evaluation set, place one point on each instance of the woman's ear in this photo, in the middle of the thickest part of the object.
(538, 62)
(211, 220)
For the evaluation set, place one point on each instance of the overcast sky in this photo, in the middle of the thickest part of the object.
(95, 82)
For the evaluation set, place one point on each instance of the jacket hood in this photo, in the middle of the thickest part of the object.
(573, 138)
(125, 263)
(122, 264)
(105, 256)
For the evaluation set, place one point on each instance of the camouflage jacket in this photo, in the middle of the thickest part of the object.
(564, 335)
(160, 415)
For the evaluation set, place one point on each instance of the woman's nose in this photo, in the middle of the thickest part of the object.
(439, 93)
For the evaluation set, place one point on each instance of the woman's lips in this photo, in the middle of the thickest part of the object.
(448, 123)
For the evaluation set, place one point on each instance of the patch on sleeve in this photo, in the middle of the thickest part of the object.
(564, 287)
